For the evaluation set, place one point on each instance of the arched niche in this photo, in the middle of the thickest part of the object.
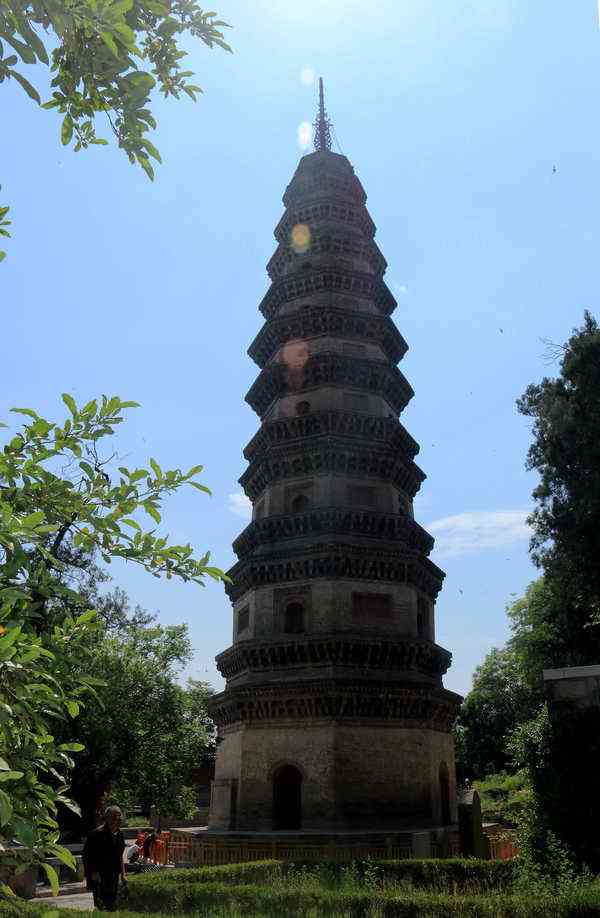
(287, 798)
(293, 618)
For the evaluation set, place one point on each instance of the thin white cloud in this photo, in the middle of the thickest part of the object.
(476, 531)
(241, 505)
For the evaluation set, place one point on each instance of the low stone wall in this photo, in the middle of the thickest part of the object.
(211, 848)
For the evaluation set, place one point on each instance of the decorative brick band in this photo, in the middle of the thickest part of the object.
(350, 425)
(312, 322)
(325, 522)
(333, 455)
(335, 562)
(401, 655)
(319, 183)
(311, 281)
(330, 242)
(330, 369)
(406, 706)
(332, 210)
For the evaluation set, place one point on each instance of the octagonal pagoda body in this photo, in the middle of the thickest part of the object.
(334, 717)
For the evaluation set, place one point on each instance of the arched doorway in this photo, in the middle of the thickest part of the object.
(445, 794)
(287, 798)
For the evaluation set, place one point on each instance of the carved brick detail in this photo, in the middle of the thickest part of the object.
(423, 708)
(343, 323)
(332, 456)
(330, 369)
(403, 654)
(334, 562)
(322, 212)
(321, 523)
(324, 184)
(329, 242)
(312, 281)
(284, 431)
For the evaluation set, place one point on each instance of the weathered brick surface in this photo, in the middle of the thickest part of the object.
(334, 669)
(353, 776)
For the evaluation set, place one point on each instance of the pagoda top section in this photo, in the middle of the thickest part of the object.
(322, 124)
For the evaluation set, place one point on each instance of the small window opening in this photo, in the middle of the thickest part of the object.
(293, 622)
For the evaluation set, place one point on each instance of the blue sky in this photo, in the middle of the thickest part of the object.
(454, 116)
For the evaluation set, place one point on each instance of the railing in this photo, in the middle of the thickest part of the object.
(195, 852)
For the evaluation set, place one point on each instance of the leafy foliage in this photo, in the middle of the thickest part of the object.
(3, 224)
(56, 490)
(107, 57)
(504, 797)
(566, 454)
(498, 702)
(145, 733)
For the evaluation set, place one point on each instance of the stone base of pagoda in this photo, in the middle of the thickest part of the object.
(334, 757)
(211, 847)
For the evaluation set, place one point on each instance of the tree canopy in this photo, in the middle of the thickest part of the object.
(61, 497)
(498, 702)
(143, 733)
(566, 454)
(106, 58)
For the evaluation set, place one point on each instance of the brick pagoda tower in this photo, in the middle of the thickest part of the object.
(334, 718)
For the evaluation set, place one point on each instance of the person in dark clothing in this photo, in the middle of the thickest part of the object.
(103, 860)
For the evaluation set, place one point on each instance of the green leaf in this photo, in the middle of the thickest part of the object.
(64, 855)
(23, 831)
(146, 165)
(66, 134)
(8, 892)
(200, 487)
(71, 747)
(52, 878)
(152, 511)
(28, 411)
(151, 150)
(4, 766)
(70, 403)
(34, 41)
(133, 523)
(29, 522)
(130, 405)
(110, 43)
(72, 707)
(70, 804)
(24, 51)
(156, 468)
(9, 638)
(29, 89)
(6, 809)
(10, 775)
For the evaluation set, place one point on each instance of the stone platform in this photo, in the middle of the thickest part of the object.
(201, 846)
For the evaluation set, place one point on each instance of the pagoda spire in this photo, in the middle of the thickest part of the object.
(322, 124)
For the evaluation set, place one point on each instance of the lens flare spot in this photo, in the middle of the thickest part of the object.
(304, 135)
(307, 75)
(295, 354)
(300, 238)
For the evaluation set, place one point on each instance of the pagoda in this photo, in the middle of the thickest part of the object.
(334, 718)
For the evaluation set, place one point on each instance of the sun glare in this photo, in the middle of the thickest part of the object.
(304, 135)
(307, 74)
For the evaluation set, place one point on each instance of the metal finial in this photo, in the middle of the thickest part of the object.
(322, 124)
